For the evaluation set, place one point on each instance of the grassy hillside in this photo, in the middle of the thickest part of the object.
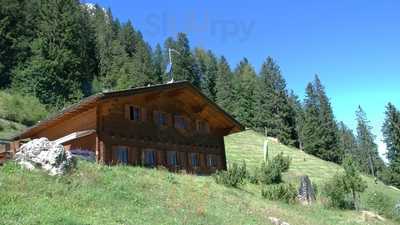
(9, 128)
(248, 146)
(96, 194)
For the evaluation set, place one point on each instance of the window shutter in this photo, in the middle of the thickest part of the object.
(127, 112)
(155, 117)
(202, 161)
(143, 114)
(169, 120)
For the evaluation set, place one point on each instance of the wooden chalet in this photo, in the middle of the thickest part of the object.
(172, 125)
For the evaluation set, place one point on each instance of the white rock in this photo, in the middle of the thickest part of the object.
(277, 221)
(44, 154)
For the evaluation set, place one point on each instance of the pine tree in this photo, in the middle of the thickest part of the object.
(127, 37)
(347, 141)
(311, 131)
(18, 25)
(367, 152)
(184, 66)
(329, 131)
(143, 73)
(320, 132)
(223, 85)
(391, 132)
(57, 70)
(208, 66)
(391, 135)
(158, 64)
(244, 83)
(299, 118)
(272, 102)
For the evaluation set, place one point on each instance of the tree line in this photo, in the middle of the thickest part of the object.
(61, 51)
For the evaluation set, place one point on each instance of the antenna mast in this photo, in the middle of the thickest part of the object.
(169, 66)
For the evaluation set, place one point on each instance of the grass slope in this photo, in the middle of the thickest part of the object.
(96, 194)
(247, 146)
(9, 128)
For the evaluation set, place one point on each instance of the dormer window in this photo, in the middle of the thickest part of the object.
(180, 122)
(134, 113)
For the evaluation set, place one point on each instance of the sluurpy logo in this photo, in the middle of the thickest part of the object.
(222, 29)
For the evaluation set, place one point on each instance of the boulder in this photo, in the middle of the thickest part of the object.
(368, 216)
(277, 221)
(397, 209)
(306, 191)
(44, 154)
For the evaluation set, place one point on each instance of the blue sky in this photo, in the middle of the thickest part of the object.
(352, 45)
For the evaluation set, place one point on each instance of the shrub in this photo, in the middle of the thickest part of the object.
(335, 191)
(233, 177)
(280, 192)
(282, 162)
(343, 189)
(380, 203)
(253, 177)
(270, 173)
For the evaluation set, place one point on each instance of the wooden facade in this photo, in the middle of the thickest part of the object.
(171, 125)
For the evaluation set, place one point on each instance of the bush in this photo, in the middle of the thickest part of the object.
(21, 108)
(233, 177)
(253, 177)
(270, 173)
(380, 203)
(282, 162)
(335, 191)
(280, 192)
(343, 189)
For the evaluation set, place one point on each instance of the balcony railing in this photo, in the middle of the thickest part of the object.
(148, 131)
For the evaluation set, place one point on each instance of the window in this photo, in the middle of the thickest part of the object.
(149, 158)
(212, 161)
(160, 118)
(172, 159)
(134, 113)
(194, 160)
(202, 126)
(180, 122)
(122, 155)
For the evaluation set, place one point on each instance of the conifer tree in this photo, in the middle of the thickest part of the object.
(18, 25)
(143, 73)
(311, 127)
(367, 152)
(329, 130)
(184, 66)
(347, 140)
(223, 85)
(158, 64)
(244, 83)
(299, 118)
(391, 135)
(208, 66)
(127, 37)
(391, 132)
(272, 102)
(320, 131)
(56, 71)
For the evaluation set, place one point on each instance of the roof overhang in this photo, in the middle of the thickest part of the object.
(92, 101)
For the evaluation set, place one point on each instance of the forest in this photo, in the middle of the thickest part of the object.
(54, 53)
